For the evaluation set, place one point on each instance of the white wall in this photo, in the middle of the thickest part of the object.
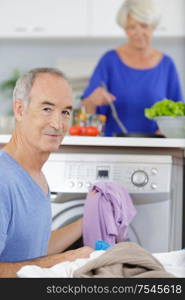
(26, 54)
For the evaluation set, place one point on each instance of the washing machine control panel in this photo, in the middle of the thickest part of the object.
(139, 178)
(75, 173)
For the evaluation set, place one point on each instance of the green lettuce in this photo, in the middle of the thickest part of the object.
(165, 107)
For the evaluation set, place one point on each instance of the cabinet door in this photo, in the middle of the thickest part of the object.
(13, 17)
(103, 18)
(172, 21)
(103, 15)
(43, 18)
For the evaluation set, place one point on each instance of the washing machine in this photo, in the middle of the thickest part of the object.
(153, 181)
(64, 213)
(66, 209)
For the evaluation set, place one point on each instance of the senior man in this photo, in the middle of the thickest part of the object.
(42, 103)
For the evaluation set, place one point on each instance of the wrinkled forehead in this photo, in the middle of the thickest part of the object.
(51, 87)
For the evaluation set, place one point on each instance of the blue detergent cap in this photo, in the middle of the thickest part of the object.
(102, 245)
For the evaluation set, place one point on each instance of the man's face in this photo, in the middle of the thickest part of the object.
(47, 118)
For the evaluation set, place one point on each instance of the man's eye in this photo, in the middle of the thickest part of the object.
(47, 109)
(66, 113)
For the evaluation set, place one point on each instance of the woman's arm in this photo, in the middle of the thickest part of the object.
(100, 96)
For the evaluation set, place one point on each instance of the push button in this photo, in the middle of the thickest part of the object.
(153, 186)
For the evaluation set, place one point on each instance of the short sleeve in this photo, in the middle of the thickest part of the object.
(174, 91)
(5, 213)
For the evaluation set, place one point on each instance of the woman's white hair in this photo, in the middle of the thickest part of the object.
(24, 83)
(144, 11)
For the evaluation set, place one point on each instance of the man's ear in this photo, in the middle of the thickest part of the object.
(18, 107)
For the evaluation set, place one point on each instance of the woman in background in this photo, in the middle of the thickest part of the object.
(133, 76)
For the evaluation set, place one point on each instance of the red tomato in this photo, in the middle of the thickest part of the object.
(83, 130)
(75, 130)
(92, 131)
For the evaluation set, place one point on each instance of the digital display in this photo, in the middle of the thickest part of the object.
(102, 172)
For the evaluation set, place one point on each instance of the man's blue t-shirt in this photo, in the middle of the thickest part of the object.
(134, 89)
(25, 213)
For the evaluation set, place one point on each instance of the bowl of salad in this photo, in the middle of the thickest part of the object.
(170, 117)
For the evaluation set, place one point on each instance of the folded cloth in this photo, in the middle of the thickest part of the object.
(173, 261)
(61, 270)
(125, 260)
(107, 214)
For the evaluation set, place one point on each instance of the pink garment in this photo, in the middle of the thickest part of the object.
(107, 214)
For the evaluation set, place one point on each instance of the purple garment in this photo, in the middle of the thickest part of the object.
(107, 214)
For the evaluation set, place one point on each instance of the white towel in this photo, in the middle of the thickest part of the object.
(173, 262)
(62, 270)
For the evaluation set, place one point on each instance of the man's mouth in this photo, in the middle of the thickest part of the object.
(54, 135)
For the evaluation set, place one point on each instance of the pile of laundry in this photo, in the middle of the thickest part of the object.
(123, 260)
(173, 262)
(108, 212)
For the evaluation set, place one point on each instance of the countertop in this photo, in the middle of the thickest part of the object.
(116, 141)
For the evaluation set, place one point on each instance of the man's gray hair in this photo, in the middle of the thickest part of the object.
(144, 11)
(24, 83)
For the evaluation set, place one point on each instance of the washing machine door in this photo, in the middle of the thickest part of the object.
(66, 213)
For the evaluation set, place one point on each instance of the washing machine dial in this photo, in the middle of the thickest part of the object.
(139, 178)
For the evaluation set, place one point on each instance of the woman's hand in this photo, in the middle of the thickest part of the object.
(100, 96)
(158, 132)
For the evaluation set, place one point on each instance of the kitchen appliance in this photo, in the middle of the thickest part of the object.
(154, 182)
(66, 212)
(140, 134)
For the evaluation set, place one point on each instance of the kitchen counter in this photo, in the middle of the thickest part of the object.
(116, 141)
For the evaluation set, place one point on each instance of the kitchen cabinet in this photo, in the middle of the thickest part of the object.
(43, 18)
(172, 21)
(103, 18)
(78, 18)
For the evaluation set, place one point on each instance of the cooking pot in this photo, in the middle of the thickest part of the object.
(139, 134)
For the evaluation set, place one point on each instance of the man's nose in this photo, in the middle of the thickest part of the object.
(57, 121)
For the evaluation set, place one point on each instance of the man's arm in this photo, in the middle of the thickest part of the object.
(10, 269)
(64, 237)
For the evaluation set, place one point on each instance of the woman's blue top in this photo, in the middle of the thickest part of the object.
(134, 89)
